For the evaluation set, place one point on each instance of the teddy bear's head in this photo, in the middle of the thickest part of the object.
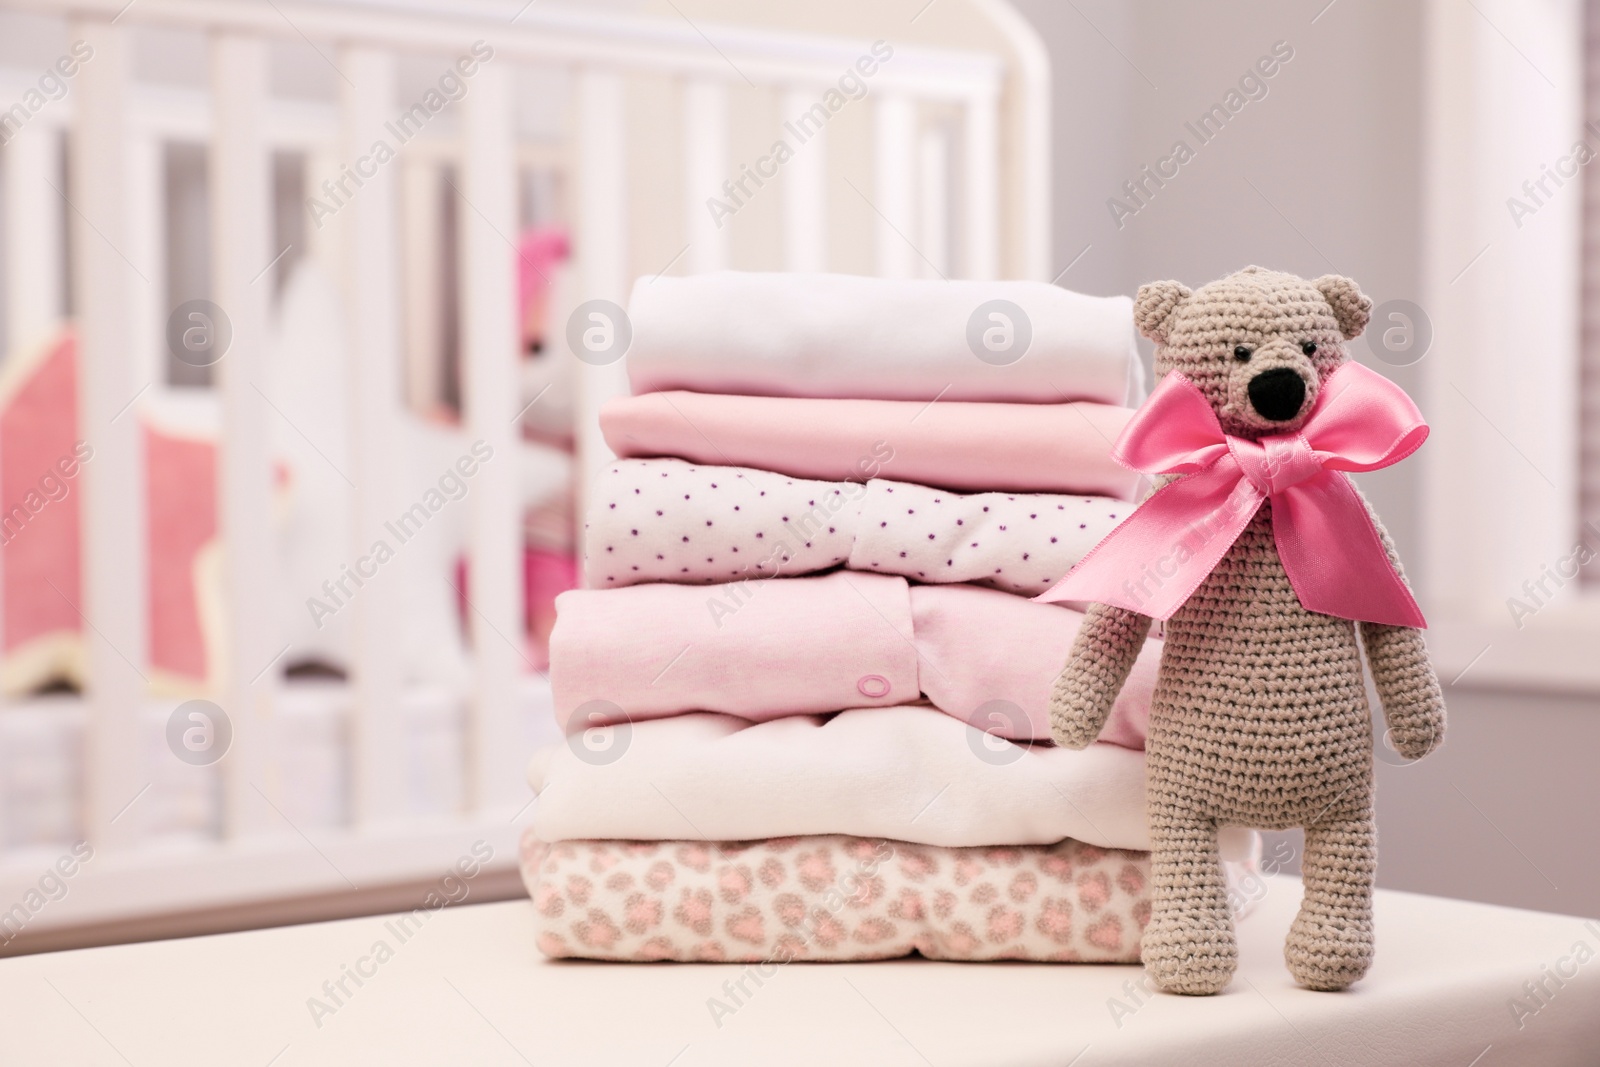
(1259, 344)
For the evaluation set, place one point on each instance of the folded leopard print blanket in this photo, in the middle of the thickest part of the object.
(837, 898)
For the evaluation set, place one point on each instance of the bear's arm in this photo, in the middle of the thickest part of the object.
(1102, 654)
(1408, 689)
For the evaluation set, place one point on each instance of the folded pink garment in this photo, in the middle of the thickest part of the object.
(988, 651)
(835, 898)
(759, 650)
(1026, 448)
(797, 646)
(664, 520)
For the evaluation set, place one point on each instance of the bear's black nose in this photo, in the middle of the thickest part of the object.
(1277, 394)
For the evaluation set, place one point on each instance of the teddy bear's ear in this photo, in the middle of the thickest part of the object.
(1350, 305)
(1153, 308)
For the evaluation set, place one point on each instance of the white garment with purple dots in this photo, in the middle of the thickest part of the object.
(1011, 541)
(665, 520)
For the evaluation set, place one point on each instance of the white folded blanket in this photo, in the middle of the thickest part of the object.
(909, 774)
(838, 335)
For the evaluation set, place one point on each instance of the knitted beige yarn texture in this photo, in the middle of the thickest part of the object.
(1260, 715)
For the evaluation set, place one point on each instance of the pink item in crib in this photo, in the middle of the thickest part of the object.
(798, 646)
(1064, 448)
(43, 594)
(182, 521)
(538, 251)
(38, 438)
(545, 576)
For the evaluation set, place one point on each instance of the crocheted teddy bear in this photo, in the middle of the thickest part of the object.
(1260, 715)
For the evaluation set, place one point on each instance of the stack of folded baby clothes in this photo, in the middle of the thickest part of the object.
(805, 690)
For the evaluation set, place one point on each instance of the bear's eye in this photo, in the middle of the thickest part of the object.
(1308, 347)
(1241, 353)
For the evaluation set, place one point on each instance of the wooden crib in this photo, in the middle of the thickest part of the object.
(958, 156)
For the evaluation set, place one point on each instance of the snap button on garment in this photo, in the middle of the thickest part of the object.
(873, 686)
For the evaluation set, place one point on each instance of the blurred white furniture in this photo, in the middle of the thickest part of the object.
(1511, 455)
(256, 827)
(467, 986)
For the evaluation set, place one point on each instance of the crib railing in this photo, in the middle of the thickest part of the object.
(113, 238)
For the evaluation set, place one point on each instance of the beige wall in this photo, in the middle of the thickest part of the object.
(1504, 812)
(1332, 146)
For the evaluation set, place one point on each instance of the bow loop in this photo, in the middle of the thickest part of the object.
(1363, 421)
(1175, 432)
(1326, 539)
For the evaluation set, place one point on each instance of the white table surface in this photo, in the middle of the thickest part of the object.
(470, 988)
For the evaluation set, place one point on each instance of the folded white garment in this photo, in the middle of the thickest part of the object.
(909, 774)
(839, 335)
(664, 520)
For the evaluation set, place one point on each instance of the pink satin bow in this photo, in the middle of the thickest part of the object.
(1331, 550)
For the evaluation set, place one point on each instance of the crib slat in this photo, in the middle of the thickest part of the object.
(894, 168)
(705, 146)
(602, 249)
(241, 212)
(112, 480)
(33, 234)
(147, 213)
(368, 252)
(805, 190)
(422, 226)
(982, 154)
(490, 362)
(324, 242)
(933, 202)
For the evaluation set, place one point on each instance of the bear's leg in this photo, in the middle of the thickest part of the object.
(1188, 947)
(1330, 943)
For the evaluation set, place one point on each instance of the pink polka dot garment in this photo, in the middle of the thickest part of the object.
(665, 520)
